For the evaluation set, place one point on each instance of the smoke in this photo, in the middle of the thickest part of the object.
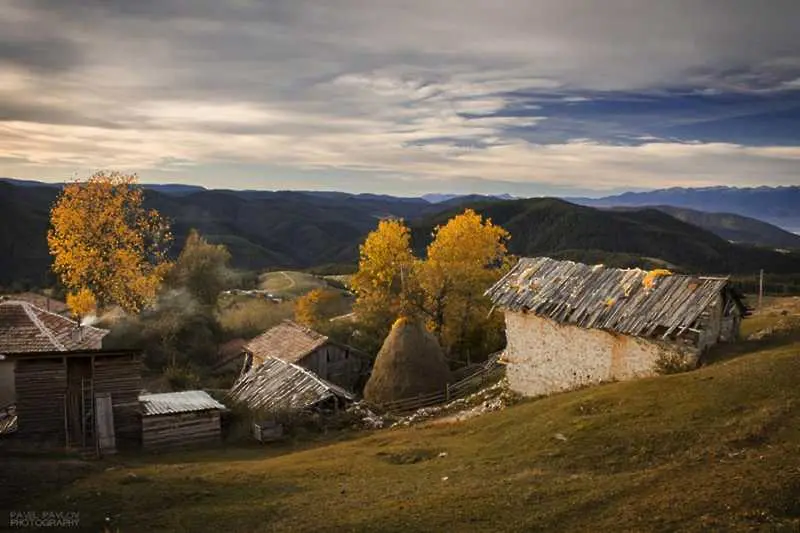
(89, 320)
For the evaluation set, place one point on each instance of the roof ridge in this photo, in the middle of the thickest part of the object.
(26, 306)
(306, 329)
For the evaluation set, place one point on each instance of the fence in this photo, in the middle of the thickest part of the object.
(453, 391)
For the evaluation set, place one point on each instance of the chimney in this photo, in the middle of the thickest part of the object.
(77, 334)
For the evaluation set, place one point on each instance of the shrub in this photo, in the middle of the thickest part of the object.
(181, 378)
(674, 363)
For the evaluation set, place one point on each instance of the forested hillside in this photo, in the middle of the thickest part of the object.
(297, 230)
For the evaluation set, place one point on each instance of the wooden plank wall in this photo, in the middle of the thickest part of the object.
(122, 377)
(40, 388)
(181, 430)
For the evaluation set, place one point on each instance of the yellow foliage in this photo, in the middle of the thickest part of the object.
(446, 289)
(650, 279)
(103, 240)
(315, 307)
(385, 273)
(81, 303)
(467, 255)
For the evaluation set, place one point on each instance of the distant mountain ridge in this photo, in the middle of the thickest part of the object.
(776, 205)
(297, 230)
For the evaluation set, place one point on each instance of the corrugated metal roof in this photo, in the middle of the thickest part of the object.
(277, 385)
(606, 298)
(177, 402)
(26, 328)
(287, 341)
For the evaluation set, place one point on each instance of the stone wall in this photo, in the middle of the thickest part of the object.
(544, 356)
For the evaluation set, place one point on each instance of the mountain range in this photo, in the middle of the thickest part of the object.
(776, 205)
(297, 230)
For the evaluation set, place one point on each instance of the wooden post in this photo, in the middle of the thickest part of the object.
(760, 288)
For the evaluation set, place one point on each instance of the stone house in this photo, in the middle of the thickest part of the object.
(293, 343)
(569, 324)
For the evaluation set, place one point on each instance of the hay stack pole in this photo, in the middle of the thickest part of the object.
(409, 363)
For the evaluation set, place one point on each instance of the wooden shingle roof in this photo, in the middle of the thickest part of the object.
(27, 328)
(629, 301)
(288, 341)
(277, 385)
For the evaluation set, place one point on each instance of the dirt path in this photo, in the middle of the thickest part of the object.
(291, 281)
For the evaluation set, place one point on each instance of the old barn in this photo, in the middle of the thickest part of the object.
(276, 386)
(184, 419)
(570, 324)
(67, 391)
(290, 342)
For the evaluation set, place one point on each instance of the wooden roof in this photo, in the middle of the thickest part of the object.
(27, 328)
(287, 341)
(629, 301)
(277, 385)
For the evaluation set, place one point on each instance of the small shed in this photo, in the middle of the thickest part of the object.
(293, 343)
(570, 325)
(175, 420)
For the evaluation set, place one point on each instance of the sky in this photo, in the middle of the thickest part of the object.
(527, 97)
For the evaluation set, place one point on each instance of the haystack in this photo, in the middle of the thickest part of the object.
(409, 363)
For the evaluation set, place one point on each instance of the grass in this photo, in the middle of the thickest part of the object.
(714, 449)
(290, 284)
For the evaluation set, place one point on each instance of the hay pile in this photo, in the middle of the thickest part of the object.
(409, 363)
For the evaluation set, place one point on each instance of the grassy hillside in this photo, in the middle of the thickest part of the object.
(558, 228)
(289, 284)
(714, 449)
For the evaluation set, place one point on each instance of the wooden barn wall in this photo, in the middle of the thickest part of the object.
(180, 430)
(40, 387)
(122, 377)
(338, 365)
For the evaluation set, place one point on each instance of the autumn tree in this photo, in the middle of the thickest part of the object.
(467, 255)
(106, 245)
(318, 306)
(201, 268)
(382, 283)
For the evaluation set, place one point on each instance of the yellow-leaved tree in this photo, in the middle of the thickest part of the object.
(107, 248)
(384, 277)
(316, 307)
(467, 255)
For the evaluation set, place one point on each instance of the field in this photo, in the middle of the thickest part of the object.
(289, 284)
(717, 449)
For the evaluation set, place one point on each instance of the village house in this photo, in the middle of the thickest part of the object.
(179, 420)
(25, 328)
(290, 342)
(66, 389)
(570, 324)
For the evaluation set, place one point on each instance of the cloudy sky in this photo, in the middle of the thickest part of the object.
(527, 97)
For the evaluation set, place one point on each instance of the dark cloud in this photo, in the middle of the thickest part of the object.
(43, 55)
